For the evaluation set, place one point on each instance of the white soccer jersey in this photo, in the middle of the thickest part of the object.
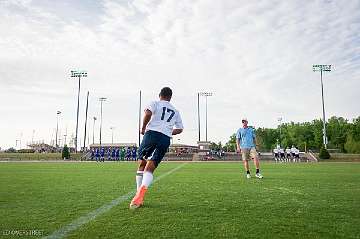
(164, 117)
(288, 151)
(297, 151)
(276, 151)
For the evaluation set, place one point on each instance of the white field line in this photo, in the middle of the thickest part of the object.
(62, 232)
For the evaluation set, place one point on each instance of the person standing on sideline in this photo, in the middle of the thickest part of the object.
(292, 151)
(288, 154)
(282, 154)
(297, 155)
(122, 154)
(134, 153)
(109, 154)
(276, 155)
(128, 154)
(161, 121)
(117, 154)
(102, 154)
(246, 142)
(97, 154)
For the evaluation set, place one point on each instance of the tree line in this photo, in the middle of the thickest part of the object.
(343, 135)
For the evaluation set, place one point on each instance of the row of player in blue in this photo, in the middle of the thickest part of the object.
(114, 154)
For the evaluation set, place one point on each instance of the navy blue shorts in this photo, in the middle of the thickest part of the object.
(154, 144)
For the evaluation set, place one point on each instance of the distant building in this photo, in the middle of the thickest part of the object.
(42, 147)
(204, 146)
(183, 148)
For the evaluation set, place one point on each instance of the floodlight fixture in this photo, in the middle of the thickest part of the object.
(321, 68)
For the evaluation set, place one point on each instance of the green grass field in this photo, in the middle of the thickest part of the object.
(200, 200)
(36, 156)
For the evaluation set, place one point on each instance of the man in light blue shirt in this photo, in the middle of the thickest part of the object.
(246, 145)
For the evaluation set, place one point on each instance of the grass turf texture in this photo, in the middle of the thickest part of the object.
(200, 200)
(36, 156)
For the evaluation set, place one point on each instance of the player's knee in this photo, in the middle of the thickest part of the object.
(150, 166)
(142, 164)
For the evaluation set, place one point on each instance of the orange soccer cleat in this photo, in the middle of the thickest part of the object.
(138, 200)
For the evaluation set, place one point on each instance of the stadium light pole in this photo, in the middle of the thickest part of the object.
(102, 99)
(280, 123)
(57, 128)
(86, 115)
(65, 136)
(78, 74)
(321, 68)
(206, 94)
(112, 134)
(94, 118)
(32, 137)
(198, 106)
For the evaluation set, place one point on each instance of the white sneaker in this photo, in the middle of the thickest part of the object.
(248, 175)
(258, 175)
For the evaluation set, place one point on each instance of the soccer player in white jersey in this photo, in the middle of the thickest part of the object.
(276, 154)
(288, 154)
(282, 154)
(161, 121)
(297, 155)
(293, 149)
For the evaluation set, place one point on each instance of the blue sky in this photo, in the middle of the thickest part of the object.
(256, 56)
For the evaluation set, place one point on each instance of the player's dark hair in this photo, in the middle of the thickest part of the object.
(166, 92)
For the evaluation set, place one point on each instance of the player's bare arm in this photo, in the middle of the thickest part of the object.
(238, 149)
(146, 120)
(177, 131)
